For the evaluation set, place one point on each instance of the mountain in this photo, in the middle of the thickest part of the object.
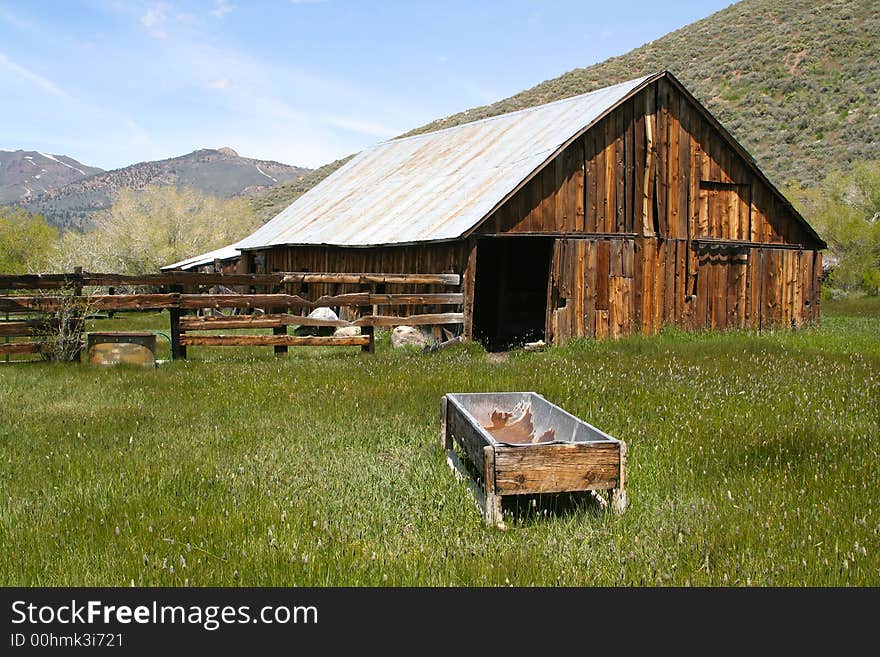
(221, 172)
(24, 174)
(796, 82)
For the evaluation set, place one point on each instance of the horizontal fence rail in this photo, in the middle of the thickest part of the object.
(200, 301)
(259, 311)
(86, 279)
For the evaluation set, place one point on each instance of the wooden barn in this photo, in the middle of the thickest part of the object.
(618, 211)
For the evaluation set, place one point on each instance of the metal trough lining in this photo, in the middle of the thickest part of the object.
(478, 406)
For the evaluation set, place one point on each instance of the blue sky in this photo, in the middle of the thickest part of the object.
(113, 82)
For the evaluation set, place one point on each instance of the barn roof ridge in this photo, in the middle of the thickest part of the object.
(374, 199)
(440, 186)
(522, 110)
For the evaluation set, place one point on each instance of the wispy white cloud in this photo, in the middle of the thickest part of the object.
(160, 17)
(219, 83)
(35, 79)
(15, 20)
(156, 14)
(221, 8)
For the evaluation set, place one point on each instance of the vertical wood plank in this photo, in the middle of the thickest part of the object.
(702, 302)
(657, 303)
(603, 272)
(589, 305)
(669, 283)
(618, 311)
(616, 250)
(673, 174)
(662, 161)
(684, 170)
(469, 277)
(639, 157)
(628, 156)
(579, 264)
(680, 282)
(579, 187)
(638, 284)
(601, 324)
(649, 267)
(648, 219)
(590, 190)
(628, 258)
(610, 183)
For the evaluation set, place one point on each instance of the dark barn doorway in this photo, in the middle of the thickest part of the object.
(510, 293)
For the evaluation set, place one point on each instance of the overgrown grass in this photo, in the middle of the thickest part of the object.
(753, 460)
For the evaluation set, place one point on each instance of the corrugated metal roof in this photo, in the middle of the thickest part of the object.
(435, 186)
(224, 253)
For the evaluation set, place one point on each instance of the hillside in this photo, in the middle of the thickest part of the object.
(269, 202)
(220, 173)
(796, 82)
(24, 174)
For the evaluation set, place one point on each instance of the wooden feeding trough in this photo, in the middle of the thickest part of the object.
(122, 348)
(518, 443)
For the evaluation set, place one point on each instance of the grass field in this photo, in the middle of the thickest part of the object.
(753, 460)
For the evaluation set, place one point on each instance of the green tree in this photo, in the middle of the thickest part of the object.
(25, 241)
(149, 228)
(845, 210)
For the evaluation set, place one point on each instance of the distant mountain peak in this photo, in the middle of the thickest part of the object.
(27, 174)
(82, 191)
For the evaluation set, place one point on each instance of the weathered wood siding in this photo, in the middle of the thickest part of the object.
(655, 166)
(657, 216)
(451, 258)
(602, 287)
(660, 221)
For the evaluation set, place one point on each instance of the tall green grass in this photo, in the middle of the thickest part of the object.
(753, 461)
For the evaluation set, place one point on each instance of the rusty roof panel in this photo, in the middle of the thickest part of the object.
(434, 186)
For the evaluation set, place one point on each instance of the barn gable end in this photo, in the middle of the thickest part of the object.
(656, 165)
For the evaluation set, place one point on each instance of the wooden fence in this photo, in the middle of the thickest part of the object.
(273, 310)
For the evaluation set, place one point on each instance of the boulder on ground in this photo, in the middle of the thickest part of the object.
(402, 336)
(318, 313)
(347, 331)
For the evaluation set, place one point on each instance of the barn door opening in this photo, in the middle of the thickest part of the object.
(510, 291)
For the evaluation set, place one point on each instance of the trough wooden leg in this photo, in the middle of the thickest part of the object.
(445, 438)
(618, 494)
(493, 511)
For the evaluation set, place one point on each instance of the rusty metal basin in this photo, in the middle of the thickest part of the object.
(525, 418)
(121, 348)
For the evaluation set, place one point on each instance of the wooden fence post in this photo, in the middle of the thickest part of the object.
(369, 348)
(280, 350)
(72, 319)
(178, 351)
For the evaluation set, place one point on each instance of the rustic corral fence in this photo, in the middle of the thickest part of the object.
(262, 302)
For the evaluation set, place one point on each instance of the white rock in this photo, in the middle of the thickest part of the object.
(407, 335)
(347, 331)
(318, 313)
(535, 346)
(323, 313)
